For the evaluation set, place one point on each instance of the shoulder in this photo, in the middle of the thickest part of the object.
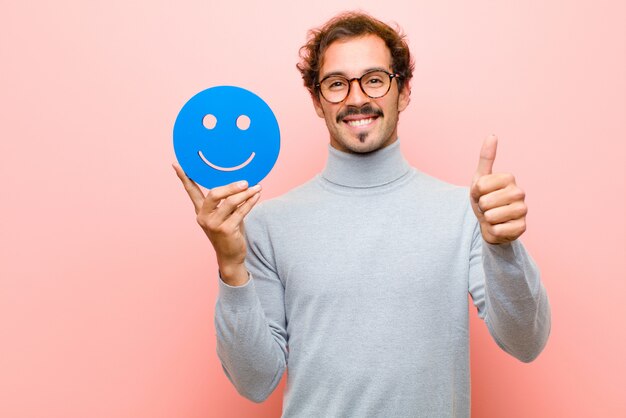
(295, 201)
(433, 186)
(443, 199)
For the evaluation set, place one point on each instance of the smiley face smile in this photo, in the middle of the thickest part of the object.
(217, 167)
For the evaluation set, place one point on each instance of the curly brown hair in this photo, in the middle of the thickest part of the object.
(351, 25)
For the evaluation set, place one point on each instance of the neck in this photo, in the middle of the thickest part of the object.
(365, 170)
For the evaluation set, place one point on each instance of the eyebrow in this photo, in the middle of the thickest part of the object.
(341, 73)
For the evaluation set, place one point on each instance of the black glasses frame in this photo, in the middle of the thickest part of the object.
(318, 86)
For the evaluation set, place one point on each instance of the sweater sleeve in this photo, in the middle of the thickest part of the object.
(506, 288)
(250, 321)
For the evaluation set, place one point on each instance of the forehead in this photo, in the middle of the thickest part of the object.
(353, 56)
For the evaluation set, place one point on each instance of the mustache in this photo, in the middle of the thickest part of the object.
(366, 110)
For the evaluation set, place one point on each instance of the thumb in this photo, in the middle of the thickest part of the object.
(487, 156)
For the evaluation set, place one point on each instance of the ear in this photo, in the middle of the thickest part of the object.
(318, 107)
(404, 98)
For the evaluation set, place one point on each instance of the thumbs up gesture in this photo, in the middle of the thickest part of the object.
(497, 201)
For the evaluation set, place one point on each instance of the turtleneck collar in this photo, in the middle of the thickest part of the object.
(365, 170)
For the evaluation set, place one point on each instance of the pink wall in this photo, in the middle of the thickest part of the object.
(107, 285)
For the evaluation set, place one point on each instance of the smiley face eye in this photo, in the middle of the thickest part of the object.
(243, 122)
(209, 121)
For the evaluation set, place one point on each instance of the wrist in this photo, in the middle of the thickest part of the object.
(234, 275)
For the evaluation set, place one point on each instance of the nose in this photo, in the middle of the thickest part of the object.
(356, 97)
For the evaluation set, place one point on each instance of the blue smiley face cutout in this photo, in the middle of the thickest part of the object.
(225, 134)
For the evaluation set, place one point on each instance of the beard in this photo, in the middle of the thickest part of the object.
(366, 141)
(366, 110)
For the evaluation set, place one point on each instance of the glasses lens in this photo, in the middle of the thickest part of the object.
(335, 88)
(375, 84)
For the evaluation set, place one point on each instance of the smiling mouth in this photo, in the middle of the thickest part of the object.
(355, 123)
(219, 168)
(359, 117)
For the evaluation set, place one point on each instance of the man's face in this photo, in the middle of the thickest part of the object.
(360, 124)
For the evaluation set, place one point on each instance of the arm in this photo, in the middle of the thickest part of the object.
(250, 321)
(513, 301)
(506, 288)
(253, 354)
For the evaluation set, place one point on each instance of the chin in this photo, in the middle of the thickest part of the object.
(361, 148)
(355, 145)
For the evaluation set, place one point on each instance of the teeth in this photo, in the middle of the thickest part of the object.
(360, 122)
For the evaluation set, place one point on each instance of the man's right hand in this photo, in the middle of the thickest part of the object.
(220, 214)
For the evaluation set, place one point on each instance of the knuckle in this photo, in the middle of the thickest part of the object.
(480, 185)
(495, 230)
(483, 202)
(230, 201)
(523, 209)
(522, 228)
(210, 225)
(240, 209)
(211, 195)
(201, 221)
(244, 209)
(519, 194)
(490, 217)
(224, 229)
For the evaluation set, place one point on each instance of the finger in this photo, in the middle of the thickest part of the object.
(231, 203)
(491, 183)
(238, 215)
(192, 189)
(501, 197)
(502, 214)
(487, 156)
(216, 194)
(507, 231)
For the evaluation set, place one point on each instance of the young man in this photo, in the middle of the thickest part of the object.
(358, 279)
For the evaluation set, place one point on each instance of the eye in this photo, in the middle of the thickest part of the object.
(336, 84)
(243, 122)
(209, 121)
(375, 81)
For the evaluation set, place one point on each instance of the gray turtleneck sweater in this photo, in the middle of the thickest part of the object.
(359, 288)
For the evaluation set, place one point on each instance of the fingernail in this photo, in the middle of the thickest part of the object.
(242, 184)
(256, 187)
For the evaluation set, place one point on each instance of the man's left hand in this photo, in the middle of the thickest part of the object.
(497, 201)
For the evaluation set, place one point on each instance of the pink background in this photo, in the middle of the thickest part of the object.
(107, 285)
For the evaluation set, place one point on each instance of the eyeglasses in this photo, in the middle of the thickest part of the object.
(375, 84)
